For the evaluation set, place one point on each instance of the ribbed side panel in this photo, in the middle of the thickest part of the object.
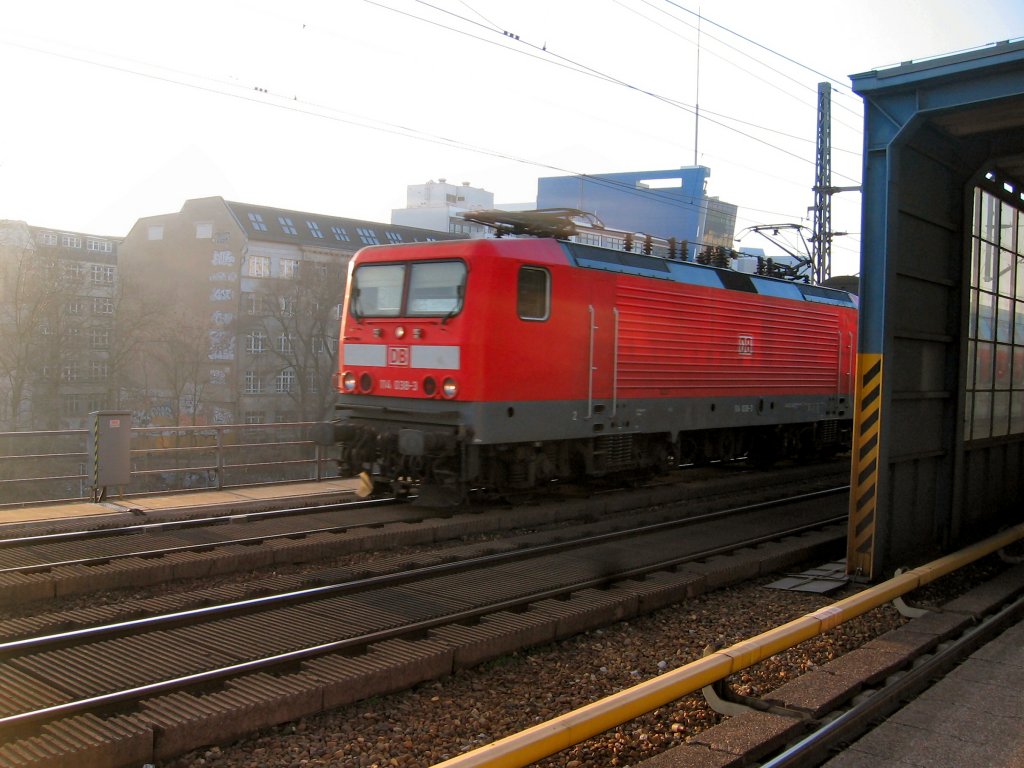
(723, 341)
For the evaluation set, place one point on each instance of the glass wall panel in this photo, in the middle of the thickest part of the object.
(1016, 412)
(1007, 220)
(1000, 414)
(982, 415)
(994, 382)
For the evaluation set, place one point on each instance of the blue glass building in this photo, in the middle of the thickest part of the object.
(666, 203)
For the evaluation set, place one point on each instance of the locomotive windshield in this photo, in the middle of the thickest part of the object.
(417, 289)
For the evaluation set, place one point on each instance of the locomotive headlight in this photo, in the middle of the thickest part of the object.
(365, 382)
(399, 332)
(429, 386)
(348, 381)
(450, 389)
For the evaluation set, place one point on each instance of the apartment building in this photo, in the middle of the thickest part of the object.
(60, 348)
(245, 307)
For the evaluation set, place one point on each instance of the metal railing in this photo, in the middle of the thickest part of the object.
(53, 466)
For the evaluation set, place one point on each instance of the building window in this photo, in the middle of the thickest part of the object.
(101, 246)
(312, 383)
(256, 220)
(285, 380)
(99, 338)
(255, 417)
(367, 235)
(204, 230)
(259, 266)
(102, 305)
(287, 225)
(284, 343)
(48, 238)
(253, 383)
(318, 345)
(71, 405)
(69, 372)
(155, 232)
(74, 307)
(101, 274)
(995, 338)
(71, 241)
(289, 268)
(340, 234)
(256, 343)
(99, 371)
(393, 237)
(314, 229)
(95, 402)
(287, 304)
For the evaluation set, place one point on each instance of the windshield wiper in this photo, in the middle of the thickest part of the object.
(460, 291)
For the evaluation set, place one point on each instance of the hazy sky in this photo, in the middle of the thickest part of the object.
(118, 110)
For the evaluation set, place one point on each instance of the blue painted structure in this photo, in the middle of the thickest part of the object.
(665, 203)
(939, 136)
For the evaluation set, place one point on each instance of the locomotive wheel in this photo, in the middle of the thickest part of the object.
(725, 445)
(765, 449)
(689, 452)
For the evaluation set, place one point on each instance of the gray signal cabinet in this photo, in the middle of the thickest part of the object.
(109, 447)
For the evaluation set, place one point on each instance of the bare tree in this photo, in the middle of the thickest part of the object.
(33, 333)
(299, 318)
(180, 356)
(142, 318)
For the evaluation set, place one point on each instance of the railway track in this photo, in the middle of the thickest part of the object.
(346, 641)
(46, 566)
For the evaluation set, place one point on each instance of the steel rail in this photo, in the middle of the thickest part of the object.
(415, 628)
(226, 519)
(208, 545)
(13, 647)
(170, 525)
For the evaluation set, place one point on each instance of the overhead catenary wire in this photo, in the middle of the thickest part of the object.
(293, 103)
(267, 97)
(762, 64)
(551, 56)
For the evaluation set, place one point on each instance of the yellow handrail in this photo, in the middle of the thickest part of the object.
(521, 749)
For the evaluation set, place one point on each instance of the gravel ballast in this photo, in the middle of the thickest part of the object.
(436, 721)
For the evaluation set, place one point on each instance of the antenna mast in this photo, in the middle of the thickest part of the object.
(696, 111)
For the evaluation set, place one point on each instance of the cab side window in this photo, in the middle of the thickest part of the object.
(534, 293)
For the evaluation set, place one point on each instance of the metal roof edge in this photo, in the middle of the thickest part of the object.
(938, 67)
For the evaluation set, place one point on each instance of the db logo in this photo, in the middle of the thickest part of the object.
(398, 356)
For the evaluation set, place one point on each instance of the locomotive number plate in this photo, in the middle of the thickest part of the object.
(399, 385)
(746, 345)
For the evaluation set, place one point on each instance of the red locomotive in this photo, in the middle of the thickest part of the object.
(505, 363)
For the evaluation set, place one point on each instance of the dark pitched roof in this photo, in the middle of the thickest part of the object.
(260, 222)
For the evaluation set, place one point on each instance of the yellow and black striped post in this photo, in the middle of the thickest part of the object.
(95, 457)
(860, 553)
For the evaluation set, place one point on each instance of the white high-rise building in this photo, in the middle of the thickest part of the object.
(438, 205)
